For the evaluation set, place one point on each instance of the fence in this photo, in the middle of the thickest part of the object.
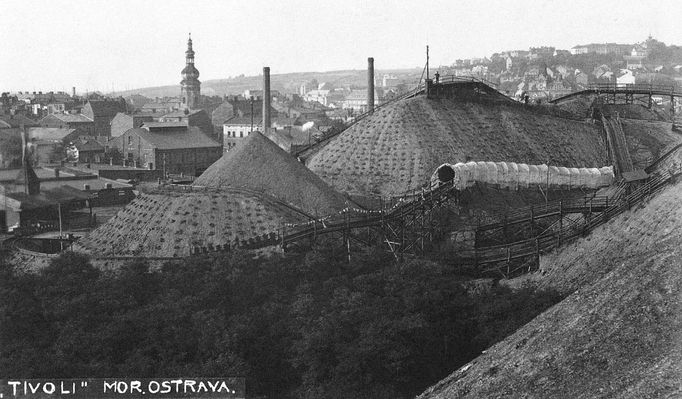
(551, 240)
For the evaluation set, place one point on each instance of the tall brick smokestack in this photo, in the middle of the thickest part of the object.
(73, 92)
(266, 99)
(370, 84)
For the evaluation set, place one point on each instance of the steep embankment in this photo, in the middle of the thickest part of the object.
(649, 140)
(580, 106)
(399, 146)
(617, 334)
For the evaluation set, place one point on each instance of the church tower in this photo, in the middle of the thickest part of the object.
(191, 87)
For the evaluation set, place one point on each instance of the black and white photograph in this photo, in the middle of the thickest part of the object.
(361, 199)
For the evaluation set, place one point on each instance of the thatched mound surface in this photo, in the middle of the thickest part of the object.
(259, 164)
(167, 224)
(399, 147)
(616, 335)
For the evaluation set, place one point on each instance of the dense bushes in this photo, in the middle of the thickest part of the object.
(313, 325)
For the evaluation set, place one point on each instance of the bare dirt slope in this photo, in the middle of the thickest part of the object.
(167, 224)
(618, 333)
(580, 106)
(398, 147)
(649, 140)
(259, 164)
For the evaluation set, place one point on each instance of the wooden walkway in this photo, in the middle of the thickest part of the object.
(628, 90)
(553, 239)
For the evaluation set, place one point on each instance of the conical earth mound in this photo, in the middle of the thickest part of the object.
(168, 224)
(260, 165)
(398, 147)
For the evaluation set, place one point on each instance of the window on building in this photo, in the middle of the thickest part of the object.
(241, 134)
(130, 139)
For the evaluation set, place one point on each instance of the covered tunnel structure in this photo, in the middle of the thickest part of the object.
(513, 176)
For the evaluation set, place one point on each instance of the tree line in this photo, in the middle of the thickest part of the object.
(297, 326)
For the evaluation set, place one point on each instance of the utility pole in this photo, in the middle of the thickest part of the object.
(427, 62)
(61, 243)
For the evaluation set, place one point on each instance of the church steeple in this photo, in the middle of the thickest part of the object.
(191, 86)
(189, 54)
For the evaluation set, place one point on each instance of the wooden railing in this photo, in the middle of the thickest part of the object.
(609, 88)
(550, 240)
(360, 117)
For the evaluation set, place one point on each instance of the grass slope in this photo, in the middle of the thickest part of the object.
(398, 147)
(617, 334)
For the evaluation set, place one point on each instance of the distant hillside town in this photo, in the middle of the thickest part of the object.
(544, 73)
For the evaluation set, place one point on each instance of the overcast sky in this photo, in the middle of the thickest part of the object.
(123, 44)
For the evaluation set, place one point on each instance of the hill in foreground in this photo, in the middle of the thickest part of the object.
(398, 147)
(617, 334)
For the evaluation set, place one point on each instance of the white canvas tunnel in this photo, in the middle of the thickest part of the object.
(513, 176)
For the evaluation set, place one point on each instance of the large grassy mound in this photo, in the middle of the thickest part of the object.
(399, 147)
(259, 164)
(167, 224)
(617, 334)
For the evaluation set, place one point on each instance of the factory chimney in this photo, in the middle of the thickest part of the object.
(266, 99)
(73, 92)
(370, 84)
(31, 181)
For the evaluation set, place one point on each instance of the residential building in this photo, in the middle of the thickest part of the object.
(390, 81)
(626, 77)
(601, 48)
(328, 98)
(582, 78)
(540, 52)
(47, 143)
(56, 108)
(307, 114)
(637, 55)
(161, 107)
(16, 121)
(181, 150)
(102, 112)
(295, 138)
(319, 96)
(89, 149)
(198, 118)
(69, 121)
(518, 53)
(239, 106)
(357, 100)
(236, 128)
(123, 122)
(255, 94)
